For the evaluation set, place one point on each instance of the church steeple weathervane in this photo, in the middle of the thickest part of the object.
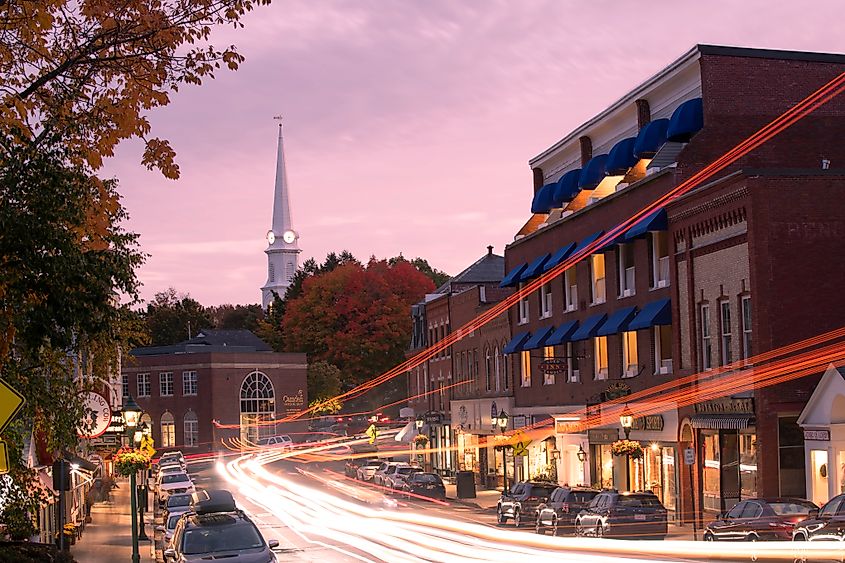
(283, 249)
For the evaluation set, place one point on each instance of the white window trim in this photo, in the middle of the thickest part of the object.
(705, 337)
(657, 260)
(625, 290)
(597, 283)
(161, 383)
(659, 368)
(725, 351)
(522, 308)
(546, 308)
(147, 384)
(747, 333)
(627, 369)
(525, 368)
(572, 375)
(570, 290)
(600, 373)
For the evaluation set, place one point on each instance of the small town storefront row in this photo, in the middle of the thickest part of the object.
(474, 430)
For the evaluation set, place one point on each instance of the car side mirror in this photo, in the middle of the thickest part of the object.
(170, 553)
(273, 544)
(814, 513)
(160, 529)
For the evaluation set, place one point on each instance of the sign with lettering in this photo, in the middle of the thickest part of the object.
(650, 423)
(616, 390)
(689, 456)
(294, 403)
(726, 406)
(553, 366)
(433, 417)
(568, 427)
(602, 435)
(97, 416)
(817, 435)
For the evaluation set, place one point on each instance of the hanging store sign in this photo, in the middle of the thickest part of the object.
(616, 390)
(553, 366)
(726, 406)
(433, 418)
(602, 435)
(651, 423)
(97, 416)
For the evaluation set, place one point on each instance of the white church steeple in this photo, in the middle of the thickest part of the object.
(283, 247)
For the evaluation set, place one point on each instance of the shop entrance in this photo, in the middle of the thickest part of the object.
(819, 469)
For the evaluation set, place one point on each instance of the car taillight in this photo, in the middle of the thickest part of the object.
(565, 507)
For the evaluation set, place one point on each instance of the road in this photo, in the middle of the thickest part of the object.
(319, 515)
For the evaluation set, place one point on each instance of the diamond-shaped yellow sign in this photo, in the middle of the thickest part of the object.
(4, 458)
(11, 403)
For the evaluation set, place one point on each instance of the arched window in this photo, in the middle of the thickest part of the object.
(168, 431)
(191, 428)
(488, 368)
(505, 374)
(498, 367)
(258, 407)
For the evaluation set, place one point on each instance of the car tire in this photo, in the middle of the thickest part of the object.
(538, 527)
(517, 519)
(579, 529)
(501, 519)
(709, 537)
(599, 530)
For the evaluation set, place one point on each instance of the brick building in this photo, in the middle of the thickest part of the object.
(674, 294)
(226, 376)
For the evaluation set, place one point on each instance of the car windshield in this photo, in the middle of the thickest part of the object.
(175, 478)
(373, 463)
(172, 521)
(787, 508)
(178, 500)
(538, 491)
(225, 537)
(582, 496)
(426, 479)
(639, 500)
(404, 470)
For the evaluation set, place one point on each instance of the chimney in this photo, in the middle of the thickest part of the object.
(586, 149)
(538, 178)
(643, 113)
(490, 250)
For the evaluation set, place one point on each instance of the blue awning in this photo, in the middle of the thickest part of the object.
(566, 188)
(538, 340)
(542, 202)
(654, 221)
(559, 256)
(592, 173)
(621, 157)
(562, 334)
(513, 276)
(588, 328)
(617, 322)
(655, 313)
(535, 268)
(686, 121)
(516, 343)
(651, 138)
(587, 241)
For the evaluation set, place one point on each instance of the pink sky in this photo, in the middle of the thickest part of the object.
(408, 125)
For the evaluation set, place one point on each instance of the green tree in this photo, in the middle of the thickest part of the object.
(231, 317)
(172, 317)
(323, 381)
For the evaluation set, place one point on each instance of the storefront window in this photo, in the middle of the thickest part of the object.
(791, 457)
(602, 461)
(670, 492)
(748, 465)
(712, 472)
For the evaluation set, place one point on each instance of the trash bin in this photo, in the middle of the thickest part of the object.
(465, 481)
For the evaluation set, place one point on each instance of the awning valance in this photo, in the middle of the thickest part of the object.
(587, 242)
(512, 278)
(516, 343)
(588, 328)
(566, 188)
(650, 138)
(621, 157)
(562, 334)
(559, 256)
(535, 268)
(593, 172)
(542, 202)
(655, 313)
(617, 322)
(721, 421)
(654, 221)
(539, 338)
(686, 121)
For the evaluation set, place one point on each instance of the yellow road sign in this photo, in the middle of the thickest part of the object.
(4, 458)
(520, 447)
(147, 445)
(372, 432)
(11, 403)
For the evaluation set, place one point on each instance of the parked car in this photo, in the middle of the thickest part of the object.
(217, 529)
(177, 504)
(521, 501)
(396, 479)
(384, 473)
(170, 459)
(352, 466)
(824, 524)
(759, 519)
(558, 513)
(282, 441)
(623, 515)
(166, 470)
(172, 484)
(425, 484)
(168, 527)
(368, 470)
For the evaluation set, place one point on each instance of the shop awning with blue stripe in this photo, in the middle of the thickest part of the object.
(566, 188)
(656, 313)
(513, 276)
(516, 343)
(593, 172)
(587, 241)
(542, 202)
(617, 322)
(562, 334)
(559, 256)
(654, 221)
(588, 328)
(539, 338)
(621, 157)
(651, 138)
(535, 268)
(686, 121)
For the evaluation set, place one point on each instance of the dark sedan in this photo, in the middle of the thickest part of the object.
(759, 519)
(425, 484)
(558, 514)
(521, 501)
(825, 524)
(623, 515)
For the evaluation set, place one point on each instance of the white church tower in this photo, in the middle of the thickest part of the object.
(283, 248)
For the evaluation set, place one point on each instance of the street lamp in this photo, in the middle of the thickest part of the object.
(555, 459)
(131, 415)
(143, 430)
(419, 422)
(502, 422)
(582, 455)
(626, 419)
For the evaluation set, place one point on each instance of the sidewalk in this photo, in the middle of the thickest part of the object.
(108, 537)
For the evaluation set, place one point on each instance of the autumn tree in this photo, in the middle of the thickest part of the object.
(356, 317)
(173, 317)
(439, 277)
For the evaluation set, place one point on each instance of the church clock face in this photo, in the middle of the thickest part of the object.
(271, 237)
(289, 236)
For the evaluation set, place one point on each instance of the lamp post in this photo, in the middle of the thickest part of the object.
(502, 423)
(419, 422)
(131, 415)
(626, 419)
(143, 430)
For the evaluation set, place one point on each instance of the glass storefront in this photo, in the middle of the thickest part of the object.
(655, 472)
(602, 466)
(730, 468)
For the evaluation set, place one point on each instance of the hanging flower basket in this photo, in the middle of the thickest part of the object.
(420, 440)
(630, 448)
(128, 462)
